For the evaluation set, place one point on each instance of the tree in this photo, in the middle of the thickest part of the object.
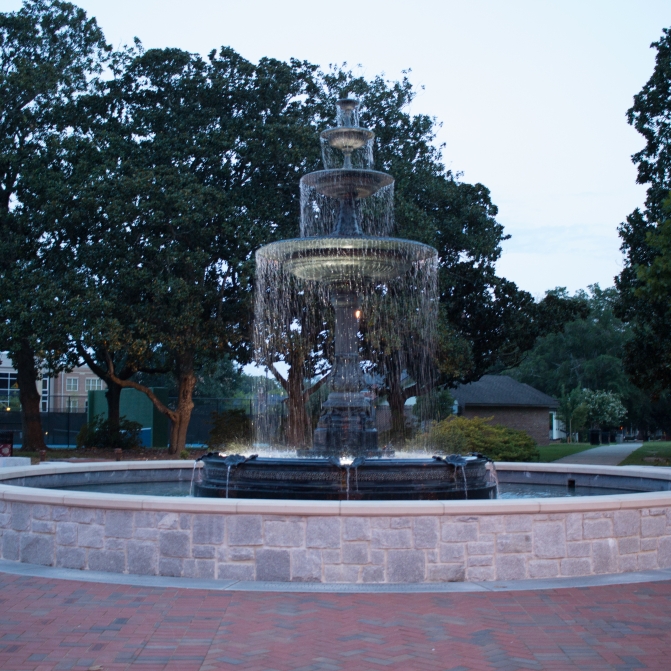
(49, 53)
(643, 282)
(572, 411)
(604, 408)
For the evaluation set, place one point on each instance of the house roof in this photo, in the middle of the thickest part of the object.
(501, 390)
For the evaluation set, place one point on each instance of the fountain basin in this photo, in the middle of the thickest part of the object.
(347, 183)
(336, 541)
(333, 259)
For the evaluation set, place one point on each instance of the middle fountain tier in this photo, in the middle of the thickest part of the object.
(346, 263)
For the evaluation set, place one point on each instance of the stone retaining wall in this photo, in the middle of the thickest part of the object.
(336, 548)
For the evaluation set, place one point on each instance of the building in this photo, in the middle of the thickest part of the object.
(65, 392)
(510, 403)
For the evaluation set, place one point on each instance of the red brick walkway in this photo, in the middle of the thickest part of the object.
(54, 625)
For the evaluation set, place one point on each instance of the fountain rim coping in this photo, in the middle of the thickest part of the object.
(38, 495)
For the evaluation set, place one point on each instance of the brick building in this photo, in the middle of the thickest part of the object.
(510, 403)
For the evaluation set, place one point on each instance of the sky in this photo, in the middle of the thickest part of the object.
(531, 94)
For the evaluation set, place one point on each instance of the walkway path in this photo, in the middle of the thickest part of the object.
(606, 455)
(59, 625)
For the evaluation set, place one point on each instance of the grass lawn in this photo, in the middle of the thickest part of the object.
(559, 450)
(655, 453)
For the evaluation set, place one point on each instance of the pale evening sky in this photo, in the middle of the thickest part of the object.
(532, 95)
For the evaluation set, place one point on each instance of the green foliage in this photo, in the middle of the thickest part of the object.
(458, 435)
(229, 426)
(573, 411)
(436, 406)
(184, 454)
(603, 408)
(105, 434)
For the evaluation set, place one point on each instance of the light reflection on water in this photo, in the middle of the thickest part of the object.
(507, 490)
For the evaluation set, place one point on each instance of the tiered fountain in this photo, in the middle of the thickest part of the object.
(345, 261)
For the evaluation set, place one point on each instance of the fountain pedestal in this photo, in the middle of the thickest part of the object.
(347, 424)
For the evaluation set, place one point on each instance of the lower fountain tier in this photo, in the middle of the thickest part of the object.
(322, 479)
(335, 259)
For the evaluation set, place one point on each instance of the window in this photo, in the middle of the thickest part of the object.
(72, 404)
(9, 391)
(93, 383)
(71, 384)
(45, 394)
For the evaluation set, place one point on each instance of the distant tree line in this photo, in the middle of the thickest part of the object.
(136, 185)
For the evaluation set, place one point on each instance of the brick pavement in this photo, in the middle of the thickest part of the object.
(57, 625)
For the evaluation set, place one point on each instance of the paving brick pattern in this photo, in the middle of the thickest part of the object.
(375, 549)
(58, 625)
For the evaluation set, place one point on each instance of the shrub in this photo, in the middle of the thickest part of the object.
(458, 435)
(101, 433)
(229, 426)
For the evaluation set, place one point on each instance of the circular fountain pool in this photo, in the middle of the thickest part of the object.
(337, 541)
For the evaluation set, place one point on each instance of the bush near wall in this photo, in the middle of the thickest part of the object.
(458, 435)
(101, 433)
(229, 427)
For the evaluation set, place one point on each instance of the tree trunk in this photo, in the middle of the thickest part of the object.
(182, 414)
(396, 398)
(113, 396)
(298, 433)
(31, 423)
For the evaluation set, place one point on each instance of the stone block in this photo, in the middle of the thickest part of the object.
(517, 523)
(459, 531)
(480, 548)
(119, 524)
(83, 515)
(331, 556)
(205, 569)
(174, 544)
(401, 523)
(284, 534)
(510, 567)
(513, 543)
(341, 573)
(372, 574)
(445, 573)
(235, 571)
(626, 523)
(627, 563)
(240, 554)
(575, 567)
(209, 529)
(185, 521)
(579, 549)
(648, 544)
(426, 532)
(145, 520)
(202, 552)
(480, 574)
(647, 561)
(71, 557)
(451, 553)
(629, 546)
(392, 538)
(144, 534)
(306, 566)
(492, 524)
(664, 553)
(604, 556)
(10, 545)
(60, 513)
(376, 557)
(549, 540)
(91, 536)
(5, 520)
(273, 565)
(380, 523)
(21, 516)
(189, 568)
(574, 527)
(355, 553)
(653, 526)
(405, 566)
(142, 558)
(115, 544)
(170, 567)
(43, 526)
(106, 560)
(41, 512)
(481, 560)
(599, 528)
(356, 529)
(245, 530)
(323, 532)
(37, 549)
(543, 568)
(167, 521)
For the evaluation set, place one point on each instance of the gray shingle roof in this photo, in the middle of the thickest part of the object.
(501, 390)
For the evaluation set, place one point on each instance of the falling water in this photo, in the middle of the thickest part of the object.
(495, 476)
(193, 475)
(463, 473)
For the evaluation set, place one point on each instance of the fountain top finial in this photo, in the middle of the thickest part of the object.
(348, 111)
